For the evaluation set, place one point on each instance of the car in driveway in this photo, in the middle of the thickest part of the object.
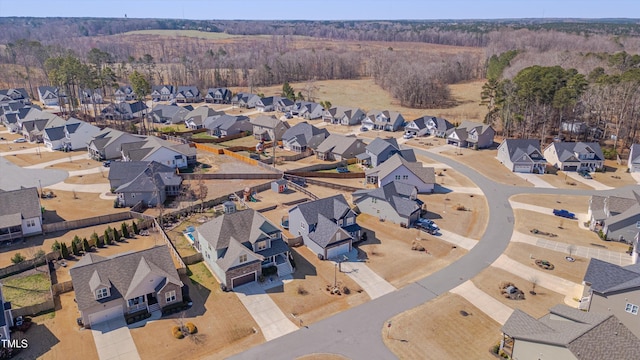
(106, 163)
(408, 136)
(585, 174)
(564, 213)
(342, 170)
(20, 140)
(364, 128)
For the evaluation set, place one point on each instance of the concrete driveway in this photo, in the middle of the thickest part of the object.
(369, 281)
(113, 341)
(457, 240)
(589, 182)
(483, 301)
(43, 165)
(535, 179)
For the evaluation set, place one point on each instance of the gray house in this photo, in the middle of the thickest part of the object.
(124, 93)
(163, 92)
(90, 96)
(613, 289)
(339, 147)
(568, 334)
(168, 114)
(268, 128)
(188, 94)
(245, 100)
(106, 144)
(383, 120)
(218, 96)
(140, 282)
(14, 94)
(522, 156)
(227, 125)
(574, 156)
(471, 134)
(239, 245)
(196, 118)
(398, 169)
(303, 136)
(634, 158)
(328, 226)
(379, 150)
(134, 182)
(438, 126)
(307, 110)
(48, 95)
(124, 110)
(617, 217)
(20, 214)
(343, 115)
(395, 202)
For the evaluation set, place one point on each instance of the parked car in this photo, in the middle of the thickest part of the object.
(342, 170)
(427, 222)
(106, 163)
(20, 140)
(585, 174)
(564, 213)
(364, 128)
(288, 115)
(408, 136)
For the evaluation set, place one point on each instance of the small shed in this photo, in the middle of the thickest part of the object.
(229, 207)
(279, 186)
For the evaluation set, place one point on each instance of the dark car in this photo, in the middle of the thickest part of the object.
(585, 174)
(564, 213)
(106, 163)
(342, 170)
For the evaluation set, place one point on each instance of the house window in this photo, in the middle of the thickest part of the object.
(102, 293)
(397, 177)
(170, 296)
(350, 221)
(374, 200)
(261, 245)
(302, 226)
(405, 177)
(631, 309)
(136, 301)
(243, 258)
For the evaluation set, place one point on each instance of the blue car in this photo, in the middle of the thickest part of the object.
(342, 170)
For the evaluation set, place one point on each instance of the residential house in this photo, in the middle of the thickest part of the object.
(574, 156)
(633, 162)
(9, 113)
(188, 94)
(395, 202)
(14, 94)
(343, 115)
(302, 137)
(328, 226)
(151, 148)
(20, 214)
(284, 104)
(238, 246)
(162, 93)
(108, 288)
(245, 100)
(613, 289)
(48, 95)
(307, 110)
(148, 182)
(574, 127)
(339, 147)
(379, 150)
(168, 114)
(6, 319)
(195, 119)
(522, 156)
(73, 135)
(227, 125)
(124, 93)
(105, 145)
(471, 134)
(566, 333)
(269, 103)
(438, 127)
(33, 130)
(417, 127)
(218, 96)
(398, 169)
(268, 128)
(124, 111)
(90, 96)
(617, 217)
(383, 120)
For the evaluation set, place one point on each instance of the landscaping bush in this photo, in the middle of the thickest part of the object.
(135, 228)
(192, 329)
(85, 245)
(125, 230)
(64, 251)
(495, 348)
(74, 249)
(94, 239)
(346, 291)
(271, 270)
(107, 234)
(116, 235)
(17, 258)
(55, 246)
(609, 153)
(177, 332)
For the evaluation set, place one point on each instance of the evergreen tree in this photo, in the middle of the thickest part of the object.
(64, 252)
(100, 242)
(125, 230)
(94, 239)
(85, 245)
(107, 236)
(134, 226)
(74, 249)
(116, 235)
(55, 246)
(288, 92)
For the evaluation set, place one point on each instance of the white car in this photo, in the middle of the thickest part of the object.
(408, 136)
(20, 140)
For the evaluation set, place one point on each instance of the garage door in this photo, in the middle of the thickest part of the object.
(570, 168)
(244, 279)
(522, 168)
(105, 315)
(636, 168)
(336, 251)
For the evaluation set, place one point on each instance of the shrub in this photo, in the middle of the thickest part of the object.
(17, 258)
(74, 249)
(134, 226)
(100, 243)
(346, 291)
(55, 246)
(302, 290)
(125, 230)
(107, 234)
(64, 251)
(495, 348)
(192, 329)
(116, 235)
(85, 245)
(609, 153)
(94, 239)
(177, 332)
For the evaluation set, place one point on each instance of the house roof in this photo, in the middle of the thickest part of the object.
(605, 277)
(224, 92)
(225, 122)
(420, 123)
(246, 226)
(126, 89)
(338, 112)
(130, 169)
(325, 232)
(426, 174)
(334, 208)
(200, 113)
(158, 89)
(566, 150)
(396, 194)
(24, 202)
(378, 145)
(150, 180)
(517, 148)
(120, 272)
(233, 252)
(188, 90)
(108, 135)
(340, 144)
(140, 150)
(55, 133)
(587, 335)
(269, 122)
(470, 125)
(305, 134)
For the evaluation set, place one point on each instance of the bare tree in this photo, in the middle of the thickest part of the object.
(534, 281)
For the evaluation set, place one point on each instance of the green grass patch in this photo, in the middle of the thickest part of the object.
(203, 135)
(354, 168)
(200, 274)
(27, 290)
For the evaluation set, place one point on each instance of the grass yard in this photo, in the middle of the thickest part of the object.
(437, 330)
(203, 135)
(99, 178)
(562, 181)
(183, 245)
(306, 296)
(616, 175)
(573, 271)
(535, 305)
(573, 203)
(449, 177)
(31, 289)
(354, 168)
(470, 223)
(389, 254)
(248, 141)
(485, 163)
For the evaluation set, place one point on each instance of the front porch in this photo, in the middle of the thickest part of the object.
(277, 255)
(11, 232)
(148, 303)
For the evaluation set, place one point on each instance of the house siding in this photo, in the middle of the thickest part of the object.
(380, 209)
(36, 229)
(615, 304)
(99, 307)
(527, 350)
(162, 294)
(412, 179)
(295, 220)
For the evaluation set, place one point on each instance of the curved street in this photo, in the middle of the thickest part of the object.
(357, 333)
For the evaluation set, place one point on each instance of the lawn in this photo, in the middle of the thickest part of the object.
(67, 206)
(43, 156)
(177, 237)
(438, 330)
(573, 203)
(527, 254)
(27, 290)
(470, 222)
(354, 168)
(203, 135)
(99, 178)
(248, 141)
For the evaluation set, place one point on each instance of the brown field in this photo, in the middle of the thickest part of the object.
(306, 296)
(433, 331)
(78, 165)
(450, 177)
(389, 254)
(44, 156)
(570, 232)
(610, 178)
(535, 305)
(576, 204)
(89, 179)
(573, 271)
(562, 181)
(322, 357)
(471, 223)
(64, 207)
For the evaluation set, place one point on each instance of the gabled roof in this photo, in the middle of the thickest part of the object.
(188, 91)
(139, 150)
(426, 174)
(157, 89)
(55, 133)
(517, 148)
(149, 180)
(339, 144)
(419, 123)
(333, 208)
(223, 92)
(606, 278)
(338, 112)
(566, 150)
(269, 122)
(471, 125)
(126, 89)
(304, 133)
(108, 135)
(247, 226)
(378, 145)
(23, 203)
(225, 122)
(396, 194)
(325, 232)
(200, 113)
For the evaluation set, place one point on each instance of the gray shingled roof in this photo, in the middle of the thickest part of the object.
(426, 174)
(635, 152)
(305, 134)
(517, 148)
(246, 226)
(340, 144)
(120, 272)
(325, 232)
(334, 208)
(378, 145)
(396, 194)
(566, 150)
(420, 122)
(55, 133)
(605, 277)
(23, 201)
(150, 180)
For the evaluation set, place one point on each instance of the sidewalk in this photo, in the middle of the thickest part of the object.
(483, 301)
(58, 161)
(372, 283)
(86, 188)
(458, 240)
(442, 189)
(23, 151)
(95, 170)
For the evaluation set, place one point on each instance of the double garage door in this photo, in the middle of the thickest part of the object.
(106, 315)
(244, 279)
(522, 168)
(336, 251)
(570, 168)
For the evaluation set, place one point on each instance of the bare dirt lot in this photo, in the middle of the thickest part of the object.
(470, 223)
(573, 203)
(535, 305)
(88, 179)
(527, 254)
(65, 207)
(44, 156)
(388, 251)
(224, 164)
(306, 296)
(79, 165)
(433, 331)
(616, 175)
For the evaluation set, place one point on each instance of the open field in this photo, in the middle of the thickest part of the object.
(66, 207)
(26, 290)
(89, 179)
(185, 33)
(388, 251)
(322, 357)
(527, 254)
(306, 296)
(470, 223)
(573, 203)
(224, 325)
(616, 175)
(434, 331)
(44, 156)
(570, 232)
(535, 305)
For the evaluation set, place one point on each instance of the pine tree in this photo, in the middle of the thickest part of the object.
(135, 227)
(85, 245)
(125, 230)
(55, 246)
(94, 239)
(116, 235)
(288, 92)
(64, 252)
(107, 236)
(100, 242)
(74, 249)
(76, 240)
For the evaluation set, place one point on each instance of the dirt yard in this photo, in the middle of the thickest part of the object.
(527, 254)
(562, 181)
(306, 296)
(450, 177)
(224, 164)
(79, 165)
(44, 156)
(65, 207)
(535, 305)
(433, 331)
(471, 223)
(388, 251)
(576, 204)
(485, 162)
(570, 232)
(224, 325)
(616, 175)
(99, 178)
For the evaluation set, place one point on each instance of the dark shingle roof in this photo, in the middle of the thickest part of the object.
(55, 133)
(334, 207)
(304, 133)
(605, 277)
(567, 150)
(325, 233)
(22, 201)
(246, 226)
(396, 194)
(426, 174)
(378, 145)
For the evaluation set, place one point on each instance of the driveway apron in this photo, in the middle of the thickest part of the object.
(113, 341)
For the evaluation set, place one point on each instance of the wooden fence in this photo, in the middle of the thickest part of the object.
(28, 264)
(332, 185)
(34, 309)
(316, 174)
(293, 241)
(324, 166)
(192, 259)
(300, 188)
(246, 176)
(61, 288)
(172, 248)
(81, 223)
(218, 140)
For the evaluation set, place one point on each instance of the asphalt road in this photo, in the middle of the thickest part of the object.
(12, 176)
(357, 332)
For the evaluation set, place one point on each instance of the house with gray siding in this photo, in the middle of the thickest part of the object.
(302, 137)
(522, 156)
(398, 169)
(617, 217)
(308, 110)
(338, 147)
(148, 182)
(395, 202)
(327, 226)
(140, 282)
(168, 114)
(20, 214)
(218, 96)
(124, 93)
(633, 163)
(14, 94)
(48, 95)
(90, 96)
(379, 150)
(574, 156)
(227, 125)
(162, 93)
(238, 246)
(73, 135)
(383, 120)
(188, 94)
(471, 134)
(245, 100)
(268, 128)
(342, 115)
(106, 145)
(151, 148)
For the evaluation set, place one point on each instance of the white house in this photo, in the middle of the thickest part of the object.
(161, 151)
(74, 135)
(396, 168)
(574, 156)
(20, 214)
(634, 158)
(522, 156)
(48, 95)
